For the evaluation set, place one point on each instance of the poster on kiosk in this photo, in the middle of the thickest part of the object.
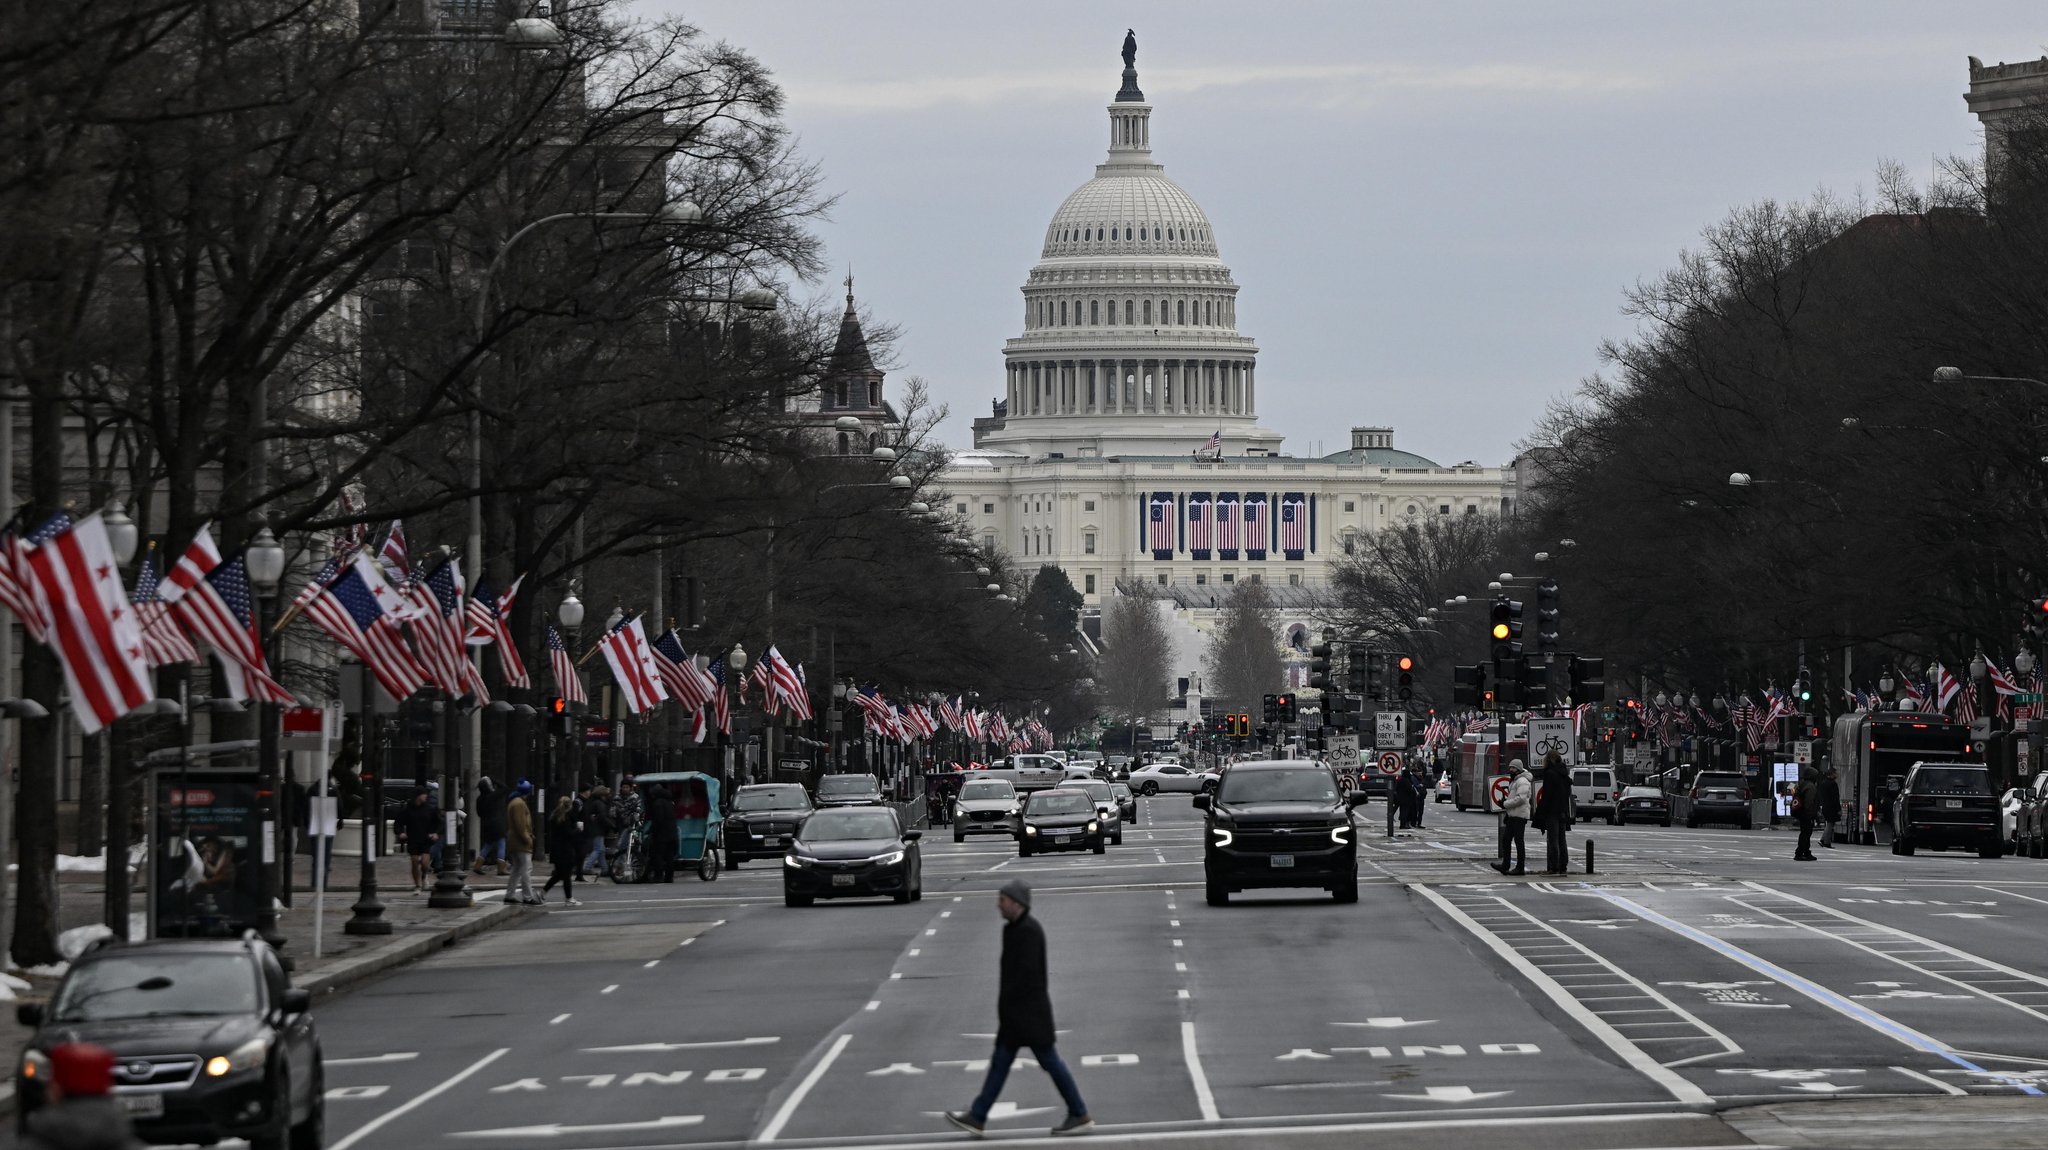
(204, 876)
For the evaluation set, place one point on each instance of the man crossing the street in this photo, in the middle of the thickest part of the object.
(1023, 1018)
(1830, 806)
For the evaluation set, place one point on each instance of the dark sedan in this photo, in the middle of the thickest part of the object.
(1644, 804)
(209, 1039)
(1059, 820)
(849, 791)
(763, 821)
(857, 852)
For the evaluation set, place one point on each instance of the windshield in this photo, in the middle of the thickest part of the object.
(1061, 803)
(1294, 785)
(847, 785)
(846, 826)
(991, 790)
(1100, 792)
(778, 799)
(158, 985)
(1953, 779)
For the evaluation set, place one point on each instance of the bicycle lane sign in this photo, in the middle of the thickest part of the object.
(1548, 736)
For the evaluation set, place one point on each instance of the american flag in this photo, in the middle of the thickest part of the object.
(490, 622)
(625, 648)
(1226, 524)
(17, 581)
(2003, 686)
(1160, 516)
(1293, 526)
(567, 681)
(91, 628)
(1946, 687)
(1966, 705)
(949, 711)
(721, 704)
(216, 607)
(1198, 525)
(360, 610)
(786, 683)
(392, 554)
(311, 590)
(1214, 448)
(162, 642)
(436, 622)
(1256, 530)
(687, 682)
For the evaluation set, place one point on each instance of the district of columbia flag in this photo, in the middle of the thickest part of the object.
(92, 628)
(392, 554)
(633, 666)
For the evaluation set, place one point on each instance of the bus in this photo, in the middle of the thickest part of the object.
(1871, 753)
(1478, 762)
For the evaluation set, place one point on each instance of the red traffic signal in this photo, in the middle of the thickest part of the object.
(1405, 663)
(557, 705)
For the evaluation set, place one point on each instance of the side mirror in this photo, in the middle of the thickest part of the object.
(1202, 802)
(28, 1013)
(912, 836)
(1355, 799)
(298, 1000)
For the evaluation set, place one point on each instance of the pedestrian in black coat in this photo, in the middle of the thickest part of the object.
(1830, 806)
(661, 834)
(1023, 1018)
(565, 848)
(1554, 808)
(490, 820)
(418, 827)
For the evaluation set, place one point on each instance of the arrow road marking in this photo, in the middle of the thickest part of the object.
(556, 1130)
(664, 1047)
(1395, 1022)
(1454, 1094)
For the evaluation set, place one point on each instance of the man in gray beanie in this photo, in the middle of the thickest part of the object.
(1023, 1018)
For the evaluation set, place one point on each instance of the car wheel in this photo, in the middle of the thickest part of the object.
(959, 836)
(1347, 892)
(1691, 824)
(902, 896)
(1666, 822)
(1613, 820)
(1149, 789)
(1101, 846)
(733, 861)
(1991, 850)
(1023, 850)
(707, 867)
(278, 1137)
(1219, 895)
(917, 887)
(1905, 845)
(312, 1133)
(1117, 840)
(1749, 824)
(791, 898)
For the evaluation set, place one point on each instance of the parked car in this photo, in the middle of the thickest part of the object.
(1158, 778)
(1061, 819)
(984, 807)
(1593, 794)
(1279, 823)
(210, 1041)
(1944, 805)
(764, 819)
(1719, 796)
(849, 791)
(853, 852)
(2033, 819)
(1644, 804)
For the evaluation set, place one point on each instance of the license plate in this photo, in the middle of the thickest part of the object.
(772, 841)
(842, 880)
(1063, 838)
(1952, 804)
(1282, 860)
(141, 1105)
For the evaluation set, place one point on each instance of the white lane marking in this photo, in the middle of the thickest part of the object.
(1931, 1080)
(914, 952)
(371, 1059)
(1180, 968)
(1177, 942)
(356, 1093)
(957, 898)
(609, 989)
(872, 1006)
(2015, 894)
(945, 914)
(1193, 1057)
(686, 942)
(1677, 1084)
(1173, 922)
(664, 1047)
(796, 1097)
(557, 1020)
(931, 932)
(386, 1118)
(650, 963)
(894, 975)
(1182, 993)
(556, 1129)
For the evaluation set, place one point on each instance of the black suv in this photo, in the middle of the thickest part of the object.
(849, 791)
(1279, 823)
(1948, 805)
(209, 1040)
(763, 821)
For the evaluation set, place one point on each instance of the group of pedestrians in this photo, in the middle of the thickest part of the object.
(1546, 802)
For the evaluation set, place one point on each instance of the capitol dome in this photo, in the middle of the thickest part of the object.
(1130, 343)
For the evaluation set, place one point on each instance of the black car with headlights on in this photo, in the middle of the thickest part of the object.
(856, 852)
(210, 1041)
(1947, 805)
(763, 821)
(849, 791)
(1279, 823)
(1061, 819)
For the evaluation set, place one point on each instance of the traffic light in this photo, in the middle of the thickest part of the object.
(1589, 679)
(1356, 671)
(1271, 709)
(2037, 619)
(557, 711)
(1374, 686)
(1468, 686)
(1546, 615)
(1506, 631)
(1802, 689)
(1319, 666)
(1339, 704)
(1404, 677)
(1283, 709)
(1535, 671)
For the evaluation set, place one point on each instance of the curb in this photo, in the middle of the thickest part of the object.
(401, 951)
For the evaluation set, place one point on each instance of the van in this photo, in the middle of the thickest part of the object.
(1593, 794)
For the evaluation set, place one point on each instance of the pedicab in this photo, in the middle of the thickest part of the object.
(699, 830)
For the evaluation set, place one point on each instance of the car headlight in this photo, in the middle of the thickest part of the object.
(790, 860)
(1029, 829)
(1093, 826)
(1221, 836)
(35, 1065)
(1340, 835)
(247, 1056)
(890, 859)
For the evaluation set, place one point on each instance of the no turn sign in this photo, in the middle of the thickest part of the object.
(1390, 762)
(1499, 789)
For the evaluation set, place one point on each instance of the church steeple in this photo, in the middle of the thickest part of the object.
(852, 381)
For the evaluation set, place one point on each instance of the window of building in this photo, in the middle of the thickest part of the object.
(1088, 543)
(1181, 312)
(1148, 311)
(874, 395)
(1094, 311)
(1471, 509)
(1063, 313)
(842, 443)
(1443, 509)
(842, 393)
(1162, 578)
(1411, 509)
(1201, 578)
(959, 509)
(1256, 577)
(988, 509)
(1141, 233)
(1350, 505)
(1350, 545)
(1293, 580)
(1130, 312)
(1229, 578)
(1087, 584)
(1088, 505)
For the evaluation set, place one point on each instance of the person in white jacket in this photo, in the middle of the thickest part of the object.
(1514, 813)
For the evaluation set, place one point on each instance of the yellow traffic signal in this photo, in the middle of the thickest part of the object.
(1500, 630)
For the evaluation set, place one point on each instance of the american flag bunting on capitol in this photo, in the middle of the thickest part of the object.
(1257, 528)
(1199, 526)
(91, 627)
(1159, 518)
(1293, 526)
(1227, 525)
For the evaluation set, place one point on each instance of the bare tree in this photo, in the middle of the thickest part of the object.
(1132, 671)
(1243, 664)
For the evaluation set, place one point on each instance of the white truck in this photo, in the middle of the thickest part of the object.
(1026, 772)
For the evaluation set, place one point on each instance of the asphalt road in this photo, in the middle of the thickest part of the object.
(1698, 971)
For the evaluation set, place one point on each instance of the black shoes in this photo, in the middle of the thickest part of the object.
(964, 1121)
(1075, 1124)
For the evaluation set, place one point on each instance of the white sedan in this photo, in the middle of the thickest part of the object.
(1159, 778)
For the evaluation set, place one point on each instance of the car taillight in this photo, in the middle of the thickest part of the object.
(1745, 794)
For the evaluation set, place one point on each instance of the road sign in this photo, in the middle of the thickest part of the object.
(2027, 697)
(1342, 748)
(1550, 735)
(1802, 751)
(1391, 729)
(1390, 762)
(1499, 789)
(300, 727)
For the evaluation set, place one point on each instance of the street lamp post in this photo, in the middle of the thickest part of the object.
(366, 915)
(570, 615)
(736, 662)
(265, 560)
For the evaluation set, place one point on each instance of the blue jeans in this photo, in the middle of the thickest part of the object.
(999, 1072)
(594, 861)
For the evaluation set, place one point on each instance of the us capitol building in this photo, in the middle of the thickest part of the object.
(1127, 448)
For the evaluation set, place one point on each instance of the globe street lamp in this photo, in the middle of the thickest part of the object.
(121, 532)
(570, 614)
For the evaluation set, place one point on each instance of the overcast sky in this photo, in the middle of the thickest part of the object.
(1431, 210)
